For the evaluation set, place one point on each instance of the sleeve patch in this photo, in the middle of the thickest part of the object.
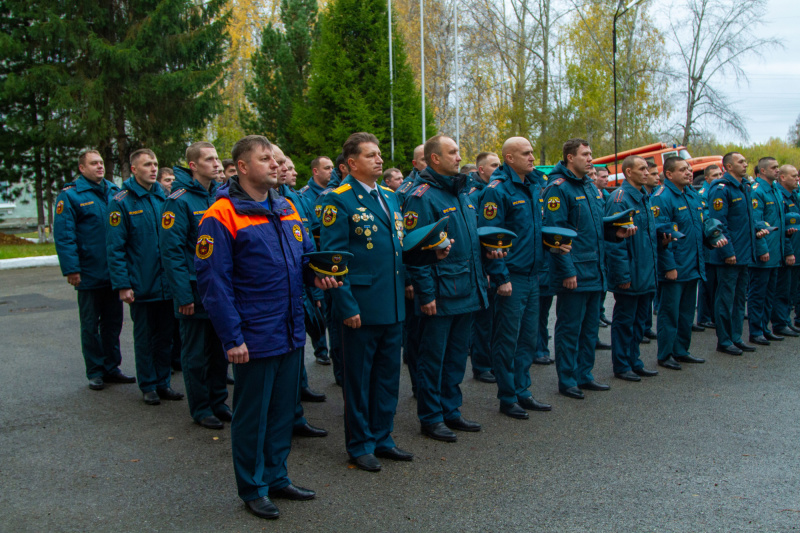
(205, 247)
(167, 219)
(656, 210)
(114, 218)
(489, 210)
(553, 203)
(60, 207)
(718, 203)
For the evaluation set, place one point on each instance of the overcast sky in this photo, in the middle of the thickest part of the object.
(770, 101)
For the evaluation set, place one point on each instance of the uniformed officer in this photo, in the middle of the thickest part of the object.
(631, 267)
(707, 290)
(680, 265)
(203, 359)
(447, 293)
(578, 278)
(763, 288)
(134, 263)
(651, 185)
(392, 178)
(730, 202)
(787, 186)
(480, 343)
(80, 234)
(250, 276)
(362, 218)
(511, 201)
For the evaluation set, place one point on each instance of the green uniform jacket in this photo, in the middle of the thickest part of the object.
(80, 231)
(133, 251)
(457, 282)
(352, 221)
(180, 219)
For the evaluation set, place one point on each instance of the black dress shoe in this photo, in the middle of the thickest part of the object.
(761, 340)
(689, 359)
(644, 340)
(166, 393)
(643, 372)
(485, 377)
(224, 413)
(367, 462)
(394, 454)
(211, 422)
(263, 508)
(462, 424)
(602, 346)
(438, 431)
(117, 376)
(670, 363)
(650, 334)
(595, 386)
(707, 325)
(530, 403)
(307, 430)
(730, 350)
(744, 347)
(229, 379)
(290, 492)
(308, 395)
(542, 361)
(697, 328)
(573, 392)
(786, 332)
(513, 410)
(96, 384)
(323, 359)
(771, 336)
(627, 376)
(151, 398)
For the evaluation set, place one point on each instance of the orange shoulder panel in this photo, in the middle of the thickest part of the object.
(293, 216)
(223, 211)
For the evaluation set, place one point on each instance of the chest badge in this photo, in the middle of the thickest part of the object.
(553, 203)
(114, 218)
(329, 215)
(489, 210)
(205, 246)
(60, 207)
(167, 220)
(298, 233)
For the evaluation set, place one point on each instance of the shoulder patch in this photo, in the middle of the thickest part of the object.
(472, 190)
(68, 186)
(494, 183)
(176, 194)
(339, 190)
(422, 189)
(559, 181)
(120, 195)
(659, 191)
(405, 187)
(386, 188)
(304, 189)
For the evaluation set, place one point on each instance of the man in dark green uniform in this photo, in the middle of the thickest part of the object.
(363, 219)
(448, 292)
(80, 235)
(202, 357)
(134, 263)
(787, 186)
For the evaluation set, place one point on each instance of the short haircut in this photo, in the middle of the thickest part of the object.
(671, 163)
(763, 163)
(629, 161)
(469, 167)
(136, 154)
(195, 149)
(389, 171)
(317, 161)
(602, 167)
(650, 164)
(164, 171)
(83, 154)
(433, 146)
(244, 146)
(340, 160)
(571, 147)
(727, 159)
(227, 163)
(709, 169)
(482, 157)
(352, 146)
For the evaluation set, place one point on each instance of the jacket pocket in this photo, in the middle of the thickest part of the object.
(360, 279)
(453, 280)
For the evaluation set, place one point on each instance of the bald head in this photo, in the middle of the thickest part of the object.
(787, 176)
(280, 158)
(419, 158)
(518, 154)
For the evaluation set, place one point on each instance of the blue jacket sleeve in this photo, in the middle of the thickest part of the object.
(64, 231)
(718, 208)
(174, 258)
(116, 247)
(214, 275)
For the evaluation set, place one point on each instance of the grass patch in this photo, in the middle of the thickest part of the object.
(29, 235)
(11, 251)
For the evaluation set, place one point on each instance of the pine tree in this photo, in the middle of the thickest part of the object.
(349, 86)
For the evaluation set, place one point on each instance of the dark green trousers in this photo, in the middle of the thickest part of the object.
(153, 323)
(101, 322)
(204, 367)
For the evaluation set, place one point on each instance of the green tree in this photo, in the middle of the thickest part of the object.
(349, 86)
(280, 71)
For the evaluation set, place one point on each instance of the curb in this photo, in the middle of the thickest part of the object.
(28, 262)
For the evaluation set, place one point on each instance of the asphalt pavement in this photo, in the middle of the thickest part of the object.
(713, 447)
